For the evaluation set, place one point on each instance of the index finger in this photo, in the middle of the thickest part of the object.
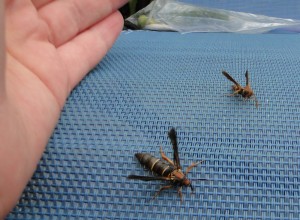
(93, 43)
(66, 19)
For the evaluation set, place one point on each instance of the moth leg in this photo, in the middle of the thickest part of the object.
(163, 156)
(256, 103)
(161, 189)
(180, 193)
(236, 92)
(192, 166)
(255, 100)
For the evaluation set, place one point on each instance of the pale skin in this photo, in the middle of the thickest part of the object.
(46, 48)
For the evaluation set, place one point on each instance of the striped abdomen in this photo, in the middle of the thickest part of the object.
(154, 164)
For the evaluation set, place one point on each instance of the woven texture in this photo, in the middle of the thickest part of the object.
(152, 81)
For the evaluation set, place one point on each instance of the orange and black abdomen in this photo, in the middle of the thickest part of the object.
(154, 164)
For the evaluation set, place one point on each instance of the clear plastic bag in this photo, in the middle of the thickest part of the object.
(172, 15)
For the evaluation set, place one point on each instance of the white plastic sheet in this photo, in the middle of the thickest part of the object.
(172, 15)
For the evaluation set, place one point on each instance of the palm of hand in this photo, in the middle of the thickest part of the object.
(53, 43)
(50, 46)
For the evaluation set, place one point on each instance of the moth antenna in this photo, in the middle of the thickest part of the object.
(247, 78)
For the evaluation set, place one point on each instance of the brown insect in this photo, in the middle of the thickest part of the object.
(246, 92)
(166, 169)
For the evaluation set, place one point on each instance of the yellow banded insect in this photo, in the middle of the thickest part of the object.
(246, 92)
(166, 169)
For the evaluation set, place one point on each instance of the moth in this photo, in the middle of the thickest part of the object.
(166, 169)
(246, 92)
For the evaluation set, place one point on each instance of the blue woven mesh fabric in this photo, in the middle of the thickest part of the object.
(152, 81)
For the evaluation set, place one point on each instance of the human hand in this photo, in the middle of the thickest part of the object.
(50, 46)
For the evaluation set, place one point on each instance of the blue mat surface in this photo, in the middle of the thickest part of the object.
(152, 81)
